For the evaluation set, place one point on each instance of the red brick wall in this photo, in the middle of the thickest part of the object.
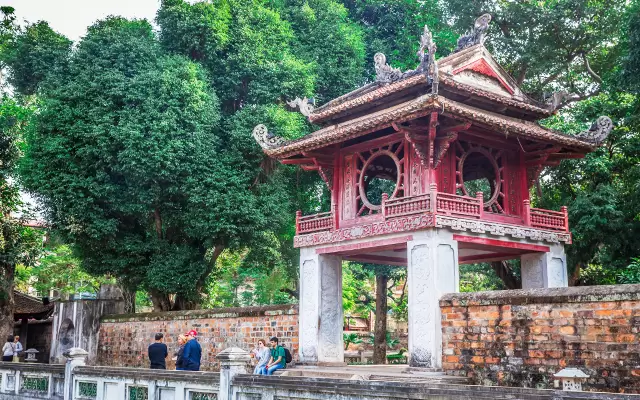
(124, 338)
(523, 337)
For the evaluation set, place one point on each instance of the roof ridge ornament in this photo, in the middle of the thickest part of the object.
(477, 35)
(305, 105)
(598, 132)
(267, 140)
(384, 72)
(427, 56)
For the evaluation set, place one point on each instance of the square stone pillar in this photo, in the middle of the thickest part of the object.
(544, 270)
(432, 262)
(321, 320)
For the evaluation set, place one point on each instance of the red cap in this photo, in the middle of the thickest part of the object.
(192, 333)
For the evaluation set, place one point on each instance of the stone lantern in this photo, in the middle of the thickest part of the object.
(571, 379)
(31, 355)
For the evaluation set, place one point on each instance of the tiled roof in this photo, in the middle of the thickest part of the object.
(421, 106)
(30, 307)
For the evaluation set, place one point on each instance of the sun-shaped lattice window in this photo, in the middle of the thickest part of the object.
(480, 169)
(379, 171)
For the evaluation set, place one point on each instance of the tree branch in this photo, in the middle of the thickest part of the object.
(595, 76)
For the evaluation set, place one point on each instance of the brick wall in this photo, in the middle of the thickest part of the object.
(523, 337)
(124, 339)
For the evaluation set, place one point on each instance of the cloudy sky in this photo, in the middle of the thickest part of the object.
(71, 17)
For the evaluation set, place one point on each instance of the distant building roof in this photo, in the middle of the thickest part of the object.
(30, 307)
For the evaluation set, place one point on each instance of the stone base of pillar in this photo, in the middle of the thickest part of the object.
(432, 259)
(545, 270)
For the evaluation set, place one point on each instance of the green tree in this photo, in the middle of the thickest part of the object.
(18, 244)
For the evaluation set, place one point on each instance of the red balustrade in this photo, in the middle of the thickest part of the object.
(406, 205)
(314, 223)
(546, 219)
(464, 206)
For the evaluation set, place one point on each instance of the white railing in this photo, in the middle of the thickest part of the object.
(31, 381)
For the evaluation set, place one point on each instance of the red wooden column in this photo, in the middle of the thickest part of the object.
(526, 212)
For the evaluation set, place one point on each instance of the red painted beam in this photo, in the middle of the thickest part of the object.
(385, 260)
(478, 258)
(373, 244)
(501, 243)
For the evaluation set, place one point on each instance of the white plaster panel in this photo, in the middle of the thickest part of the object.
(331, 321)
(309, 309)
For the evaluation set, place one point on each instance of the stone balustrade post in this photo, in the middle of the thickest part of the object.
(75, 357)
(233, 361)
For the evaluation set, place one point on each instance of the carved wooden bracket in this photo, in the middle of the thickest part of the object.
(448, 135)
(316, 162)
(422, 144)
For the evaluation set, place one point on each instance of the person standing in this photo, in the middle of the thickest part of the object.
(182, 339)
(18, 348)
(8, 349)
(158, 353)
(278, 360)
(192, 352)
(263, 355)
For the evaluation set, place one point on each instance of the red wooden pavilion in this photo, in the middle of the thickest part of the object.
(428, 169)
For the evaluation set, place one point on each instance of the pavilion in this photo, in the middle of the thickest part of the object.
(428, 169)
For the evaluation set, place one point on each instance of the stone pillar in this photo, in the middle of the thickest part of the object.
(545, 270)
(233, 361)
(321, 320)
(432, 262)
(75, 357)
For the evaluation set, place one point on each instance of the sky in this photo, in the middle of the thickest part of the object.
(72, 17)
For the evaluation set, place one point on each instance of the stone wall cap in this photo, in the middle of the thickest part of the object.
(75, 352)
(571, 373)
(576, 294)
(233, 354)
(229, 312)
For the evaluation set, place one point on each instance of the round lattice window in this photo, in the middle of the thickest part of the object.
(380, 174)
(479, 172)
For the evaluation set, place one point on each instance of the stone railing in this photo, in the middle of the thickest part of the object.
(75, 381)
(31, 381)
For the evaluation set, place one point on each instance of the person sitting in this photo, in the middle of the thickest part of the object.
(277, 360)
(192, 352)
(263, 355)
(158, 353)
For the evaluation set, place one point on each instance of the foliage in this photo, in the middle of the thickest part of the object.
(631, 274)
(389, 340)
(36, 53)
(350, 338)
(479, 277)
(59, 270)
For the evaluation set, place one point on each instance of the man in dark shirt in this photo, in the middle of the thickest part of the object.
(158, 352)
(192, 352)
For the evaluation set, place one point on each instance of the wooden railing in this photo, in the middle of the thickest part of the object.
(405, 205)
(546, 219)
(314, 223)
(463, 206)
(440, 203)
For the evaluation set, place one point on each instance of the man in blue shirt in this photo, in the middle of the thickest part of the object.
(192, 353)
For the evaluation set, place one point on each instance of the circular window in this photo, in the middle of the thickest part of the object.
(380, 175)
(479, 173)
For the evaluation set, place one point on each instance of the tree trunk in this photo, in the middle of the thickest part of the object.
(504, 272)
(129, 297)
(380, 329)
(6, 300)
(160, 301)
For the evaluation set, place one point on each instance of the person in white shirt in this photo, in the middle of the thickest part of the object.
(18, 348)
(8, 349)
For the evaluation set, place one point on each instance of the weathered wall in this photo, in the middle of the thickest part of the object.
(76, 323)
(124, 338)
(523, 337)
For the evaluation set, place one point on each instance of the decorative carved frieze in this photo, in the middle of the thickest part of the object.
(477, 35)
(498, 229)
(266, 139)
(403, 224)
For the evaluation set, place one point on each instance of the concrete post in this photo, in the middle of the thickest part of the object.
(432, 262)
(75, 357)
(544, 270)
(233, 361)
(321, 313)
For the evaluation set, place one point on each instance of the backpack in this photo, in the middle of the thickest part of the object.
(287, 355)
